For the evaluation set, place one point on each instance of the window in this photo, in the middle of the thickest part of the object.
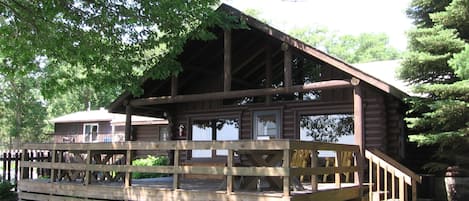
(266, 125)
(332, 128)
(214, 129)
(90, 132)
(164, 133)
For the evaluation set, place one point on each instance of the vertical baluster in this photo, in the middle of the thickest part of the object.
(401, 188)
(385, 182)
(9, 166)
(370, 178)
(378, 179)
(337, 164)
(393, 183)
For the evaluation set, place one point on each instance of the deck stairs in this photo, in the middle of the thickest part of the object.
(388, 179)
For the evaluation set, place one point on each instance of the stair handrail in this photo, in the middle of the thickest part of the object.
(390, 165)
(376, 155)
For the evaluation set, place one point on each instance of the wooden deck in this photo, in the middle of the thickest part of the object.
(272, 180)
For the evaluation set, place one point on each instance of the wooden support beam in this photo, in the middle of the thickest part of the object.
(331, 84)
(174, 85)
(227, 60)
(128, 122)
(268, 70)
(287, 66)
(358, 114)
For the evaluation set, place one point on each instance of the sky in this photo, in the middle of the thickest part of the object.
(343, 16)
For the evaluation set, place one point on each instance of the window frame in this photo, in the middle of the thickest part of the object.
(278, 119)
(91, 133)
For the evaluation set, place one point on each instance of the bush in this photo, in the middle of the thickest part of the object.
(6, 191)
(149, 161)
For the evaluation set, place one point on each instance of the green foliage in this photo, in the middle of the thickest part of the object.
(438, 65)
(149, 161)
(365, 47)
(6, 191)
(58, 56)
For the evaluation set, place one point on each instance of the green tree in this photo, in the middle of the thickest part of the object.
(75, 52)
(365, 47)
(437, 64)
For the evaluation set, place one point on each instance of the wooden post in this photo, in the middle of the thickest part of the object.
(358, 121)
(229, 177)
(314, 164)
(24, 170)
(174, 85)
(87, 171)
(359, 134)
(287, 66)
(268, 71)
(175, 171)
(286, 179)
(53, 176)
(128, 163)
(128, 122)
(227, 60)
(337, 164)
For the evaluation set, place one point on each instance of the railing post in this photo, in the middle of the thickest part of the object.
(52, 170)
(286, 166)
(128, 163)
(175, 170)
(229, 177)
(314, 164)
(87, 171)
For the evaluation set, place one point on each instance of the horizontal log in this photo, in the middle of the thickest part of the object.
(331, 84)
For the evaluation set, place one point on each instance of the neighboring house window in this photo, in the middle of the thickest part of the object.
(164, 133)
(267, 125)
(214, 129)
(90, 132)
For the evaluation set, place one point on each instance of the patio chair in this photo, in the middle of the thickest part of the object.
(346, 159)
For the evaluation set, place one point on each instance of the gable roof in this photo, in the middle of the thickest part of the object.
(260, 29)
(103, 115)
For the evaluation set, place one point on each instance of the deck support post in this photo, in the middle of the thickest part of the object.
(87, 179)
(175, 172)
(128, 122)
(358, 126)
(287, 66)
(227, 60)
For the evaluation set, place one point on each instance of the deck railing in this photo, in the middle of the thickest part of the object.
(269, 158)
(383, 174)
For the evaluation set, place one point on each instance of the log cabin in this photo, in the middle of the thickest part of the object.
(262, 111)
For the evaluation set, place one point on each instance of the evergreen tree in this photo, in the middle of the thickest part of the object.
(437, 64)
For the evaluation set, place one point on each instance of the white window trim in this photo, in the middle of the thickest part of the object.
(84, 131)
(278, 119)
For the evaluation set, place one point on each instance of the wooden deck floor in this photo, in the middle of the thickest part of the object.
(160, 189)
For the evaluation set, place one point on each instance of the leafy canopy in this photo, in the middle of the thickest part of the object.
(108, 42)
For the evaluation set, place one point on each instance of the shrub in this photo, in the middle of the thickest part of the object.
(149, 161)
(6, 191)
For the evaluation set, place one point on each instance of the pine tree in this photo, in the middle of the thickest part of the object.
(438, 66)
